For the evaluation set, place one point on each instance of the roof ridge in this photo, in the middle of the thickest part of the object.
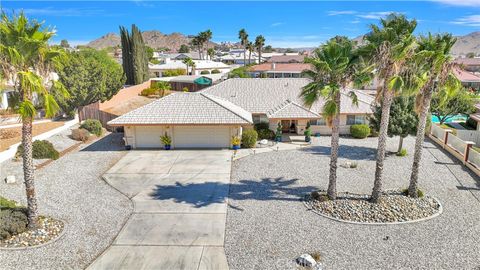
(213, 97)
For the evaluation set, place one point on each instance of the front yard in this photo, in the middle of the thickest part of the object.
(11, 136)
(72, 190)
(268, 224)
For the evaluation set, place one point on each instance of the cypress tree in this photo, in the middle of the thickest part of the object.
(134, 55)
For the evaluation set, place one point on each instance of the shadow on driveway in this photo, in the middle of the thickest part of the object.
(345, 151)
(111, 142)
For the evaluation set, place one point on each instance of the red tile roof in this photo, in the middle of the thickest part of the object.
(286, 59)
(468, 61)
(465, 76)
(291, 67)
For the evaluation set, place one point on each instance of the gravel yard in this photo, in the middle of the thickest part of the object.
(72, 190)
(268, 225)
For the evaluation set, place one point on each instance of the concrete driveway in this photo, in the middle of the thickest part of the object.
(179, 210)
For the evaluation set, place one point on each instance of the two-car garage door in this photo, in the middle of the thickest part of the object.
(184, 136)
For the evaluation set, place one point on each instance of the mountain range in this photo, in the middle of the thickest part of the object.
(156, 39)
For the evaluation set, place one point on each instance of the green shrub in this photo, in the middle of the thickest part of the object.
(174, 72)
(12, 222)
(93, 126)
(261, 125)
(204, 72)
(215, 71)
(360, 131)
(41, 150)
(265, 134)
(6, 203)
(249, 138)
(185, 89)
(419, 192)
(80, 134)
(402, 152)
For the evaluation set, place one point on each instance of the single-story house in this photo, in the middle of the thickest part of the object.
(193, 83)
(210, 117)
(469, 64)
(200, 65)
(468, 79)
(278, 70)
(299, 58)
(192, 120)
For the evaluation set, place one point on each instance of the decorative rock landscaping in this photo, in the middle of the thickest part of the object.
(393, 207)
(48, 230)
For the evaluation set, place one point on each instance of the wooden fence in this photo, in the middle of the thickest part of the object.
(92, 111)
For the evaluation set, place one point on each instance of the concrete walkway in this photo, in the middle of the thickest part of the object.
(179, 210)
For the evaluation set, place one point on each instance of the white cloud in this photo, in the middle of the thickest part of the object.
(340, 12)
(472, 20)
(276, 24)
(374, 15)
(355, 21)
(463, 3)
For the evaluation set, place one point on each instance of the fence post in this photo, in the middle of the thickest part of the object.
(445, 139)
(467, 151)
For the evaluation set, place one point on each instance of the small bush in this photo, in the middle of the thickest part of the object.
(249, 138)
(353, 165)
(319, 196)
(402, 152)
(316, 256)
(80, 134)
(93, 126)
(41, 150)
(419, 192)
(204, 72)
(174, 72)
(185, 89)
(360, 131)
(261, 125)
(215, 71)
(12, 222)
(265, 134)
(6, 203)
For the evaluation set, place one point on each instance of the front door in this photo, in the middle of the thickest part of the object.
(289, 126)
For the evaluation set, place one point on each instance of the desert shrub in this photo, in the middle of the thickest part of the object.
(185, 89)
(41, 150)
(316, 256)
(353, 165)
(93, 126)
(80, 134)
(149, 92)
(12, 222)
(360, 131)
(419, 192)
(6, 203)
(215, 71)
(265, 134)
(204, 72)
(319, 196)
(402, 152)
(174, 72)
(261, 125)
(249, 138)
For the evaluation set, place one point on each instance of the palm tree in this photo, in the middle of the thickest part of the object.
(389, 46)
(197, 43)
(27, 60)
(207, 36)
(334, 66)
(189, 63)
(243, 36)
(259, 43)
(250, 47)
(435, 63)
(211, 53)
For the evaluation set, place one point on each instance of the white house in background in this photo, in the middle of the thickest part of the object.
(210, 117)
(200, 65)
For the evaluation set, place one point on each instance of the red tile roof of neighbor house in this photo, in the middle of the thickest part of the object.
(465, 76)
(291, 67)
(468, 61)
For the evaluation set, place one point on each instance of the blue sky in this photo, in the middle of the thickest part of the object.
(284, 24)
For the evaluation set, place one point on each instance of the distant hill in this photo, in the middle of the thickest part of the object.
(154, 39)
(464, 44)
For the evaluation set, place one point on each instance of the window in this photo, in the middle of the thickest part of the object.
(317, 122)
(356, 119)
(259, 118)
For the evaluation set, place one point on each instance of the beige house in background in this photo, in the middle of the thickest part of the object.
(210, 117)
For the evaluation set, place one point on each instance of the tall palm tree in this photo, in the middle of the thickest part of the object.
(259, 43)
(250, 47)
(27, 60)
(189, 63)
(334, 66)
(197, 43)
(243, 36)
(207, 36)
(389, 46)
(433, 57)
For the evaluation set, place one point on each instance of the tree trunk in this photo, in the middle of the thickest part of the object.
(417, 156)
(332, 179)
(245, 56)
(28, 172)
(249, 57)
(400, 144)
(382, 142)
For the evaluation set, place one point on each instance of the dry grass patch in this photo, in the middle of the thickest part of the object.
(14, 135)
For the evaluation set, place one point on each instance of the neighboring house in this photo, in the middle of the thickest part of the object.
(161, 56)
(287, 59)
(235, 57)
(468, 79)
(210, 117)
(200, 65)
(469, 64)
(5, 97)
(278, 70)
(194, 83)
